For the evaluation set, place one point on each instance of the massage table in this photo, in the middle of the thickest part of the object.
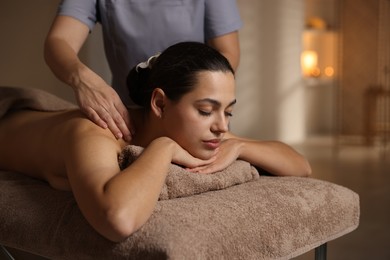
(252, 216)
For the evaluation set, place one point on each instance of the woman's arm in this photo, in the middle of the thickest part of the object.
(116, 203)
(95, 97)
(274, 157)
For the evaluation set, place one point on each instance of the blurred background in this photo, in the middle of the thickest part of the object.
(313, 73)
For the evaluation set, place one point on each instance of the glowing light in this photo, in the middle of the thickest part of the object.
(309, 60)
(329, 71)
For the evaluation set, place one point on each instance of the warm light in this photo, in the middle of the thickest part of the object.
(329, 71)
(316, 23)
(309, 60)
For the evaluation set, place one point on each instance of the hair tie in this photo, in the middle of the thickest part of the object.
(147, 64)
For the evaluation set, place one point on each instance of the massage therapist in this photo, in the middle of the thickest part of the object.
(132, 31)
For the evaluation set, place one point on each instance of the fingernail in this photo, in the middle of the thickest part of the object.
(118, 135)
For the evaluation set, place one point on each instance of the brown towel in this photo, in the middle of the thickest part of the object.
(271, 218)
(182, 183)
(16, 98)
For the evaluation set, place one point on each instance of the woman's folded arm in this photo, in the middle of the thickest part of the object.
(115, 202)
(274, 157)
(118, 202)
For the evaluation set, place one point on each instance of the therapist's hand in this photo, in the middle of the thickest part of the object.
(94, 96)
(101, 104)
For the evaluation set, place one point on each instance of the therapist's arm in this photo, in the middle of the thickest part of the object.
(95, 97)
(229, 46)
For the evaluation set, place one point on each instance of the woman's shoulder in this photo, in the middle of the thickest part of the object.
(77, 124)
(71, 128)
(82, 134)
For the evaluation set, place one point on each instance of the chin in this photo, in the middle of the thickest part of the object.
(203, 154)
(199, 151)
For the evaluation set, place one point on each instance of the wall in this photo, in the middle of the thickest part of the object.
(360, 23)
(269, 87)
(321, 92)
(21, 47)
(270, 91)
(21, 52)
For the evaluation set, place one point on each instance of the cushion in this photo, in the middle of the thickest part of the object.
(268, 218)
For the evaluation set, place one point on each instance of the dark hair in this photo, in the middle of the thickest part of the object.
(174, 71)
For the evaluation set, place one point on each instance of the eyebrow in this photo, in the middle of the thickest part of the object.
(215, 102)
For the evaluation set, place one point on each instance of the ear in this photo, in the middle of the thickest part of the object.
(157, 102)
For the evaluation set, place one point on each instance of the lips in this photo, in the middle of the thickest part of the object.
(212, 144)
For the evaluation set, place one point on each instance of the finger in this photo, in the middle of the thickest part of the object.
(203, 165)
(203, 170)
(209, 169)
(119, 115)
(125, 124)
(106, 117)
(94, 117)
(120, 123)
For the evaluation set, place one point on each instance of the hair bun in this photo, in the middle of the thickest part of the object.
(137, 83)
(147, 64)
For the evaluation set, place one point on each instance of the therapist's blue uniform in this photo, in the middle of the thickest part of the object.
(134, 30)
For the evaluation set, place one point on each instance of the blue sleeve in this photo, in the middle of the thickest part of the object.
(221, 17)
(82, 10)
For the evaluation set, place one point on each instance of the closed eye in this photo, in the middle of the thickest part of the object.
(228, 114)
(204, 113)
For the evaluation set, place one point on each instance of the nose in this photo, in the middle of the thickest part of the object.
(220, 124)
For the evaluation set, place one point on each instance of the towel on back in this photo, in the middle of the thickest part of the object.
(16, 98)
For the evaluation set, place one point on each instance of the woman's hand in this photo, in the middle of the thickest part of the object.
(185, 159)
(226, 154)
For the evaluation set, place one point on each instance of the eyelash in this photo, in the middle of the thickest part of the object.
(203, 113)
(229, 114)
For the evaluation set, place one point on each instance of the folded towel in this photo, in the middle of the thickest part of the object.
(182, 183)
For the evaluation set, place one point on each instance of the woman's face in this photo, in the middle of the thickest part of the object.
(199, 120)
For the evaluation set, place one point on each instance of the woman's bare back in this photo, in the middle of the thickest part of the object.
(33, 143)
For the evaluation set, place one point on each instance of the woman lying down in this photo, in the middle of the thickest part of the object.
(187, 97)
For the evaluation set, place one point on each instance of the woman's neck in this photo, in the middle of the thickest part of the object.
(146, 127)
